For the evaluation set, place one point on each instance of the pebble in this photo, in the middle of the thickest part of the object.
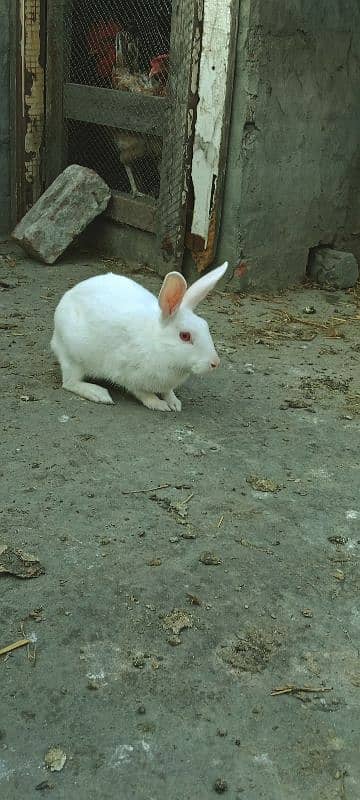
(220, 786)
(174, 641)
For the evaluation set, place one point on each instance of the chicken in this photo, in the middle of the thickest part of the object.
(126, 76)
(159, 72)
(133, 146)
(117, 60)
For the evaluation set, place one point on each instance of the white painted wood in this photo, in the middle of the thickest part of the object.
(210, 110)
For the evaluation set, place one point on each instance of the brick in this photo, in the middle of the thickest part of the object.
(333, 268)
(73, 200)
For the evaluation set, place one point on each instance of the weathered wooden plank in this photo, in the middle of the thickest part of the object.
(17, 126)
(127, 110)
(138, 212)
(177, 150)
(34, 99)
(212, 125)
(55, 75)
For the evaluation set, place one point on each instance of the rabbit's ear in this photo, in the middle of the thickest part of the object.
(172, 293)
(198, 291)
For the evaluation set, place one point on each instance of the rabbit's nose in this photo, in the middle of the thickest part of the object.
(215, 362)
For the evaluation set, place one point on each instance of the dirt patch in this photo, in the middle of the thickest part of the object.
(250, 651)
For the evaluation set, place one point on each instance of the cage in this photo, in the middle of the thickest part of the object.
(121, 93)
(123, 47)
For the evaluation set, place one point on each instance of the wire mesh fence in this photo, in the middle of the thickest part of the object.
(121, 45)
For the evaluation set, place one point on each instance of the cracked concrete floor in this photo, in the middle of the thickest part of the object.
(165, 617)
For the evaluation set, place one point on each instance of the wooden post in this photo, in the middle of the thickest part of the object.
(27, 18)
(212, 125)
(17, 133)
(33, 99)
(185, 45)
(55, 78)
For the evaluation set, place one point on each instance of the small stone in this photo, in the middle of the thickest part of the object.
(263, 484)
(335, 269)
(154, 562)
(93, 685)
(238, 742)
(338, 539)
(174, 539)
(210, 559)
(309, 310)
(221, 732)
(141, 710)
(55, 759)
(73, 200)
(220, 786)
(306, 612)
(138, 662)
(174, 641)
(41, 787)
(194, 600)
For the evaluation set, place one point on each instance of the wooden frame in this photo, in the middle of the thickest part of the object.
(141, 213)
(91, 104)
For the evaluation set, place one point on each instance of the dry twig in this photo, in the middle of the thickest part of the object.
(143, 491)
(291, 688)
(10, 647)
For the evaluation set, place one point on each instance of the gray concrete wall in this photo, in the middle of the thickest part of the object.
(4, 118)
(293, 173)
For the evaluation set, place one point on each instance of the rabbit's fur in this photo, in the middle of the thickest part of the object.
(111, 328)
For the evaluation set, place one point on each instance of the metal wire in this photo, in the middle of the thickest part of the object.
(112, 44)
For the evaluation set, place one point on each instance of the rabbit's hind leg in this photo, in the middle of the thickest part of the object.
(72, 375)
(71, 381)
(90, 391)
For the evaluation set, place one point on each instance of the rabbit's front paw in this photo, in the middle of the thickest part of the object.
(152, 401)
(173, 402)
(99, 394)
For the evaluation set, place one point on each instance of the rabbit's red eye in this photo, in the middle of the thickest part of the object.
(185, 336)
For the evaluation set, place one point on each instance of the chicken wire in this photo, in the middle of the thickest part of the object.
(118, 44)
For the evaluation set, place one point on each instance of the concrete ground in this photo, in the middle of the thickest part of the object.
(165, 617)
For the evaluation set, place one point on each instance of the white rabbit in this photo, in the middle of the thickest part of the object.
(111, 328)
